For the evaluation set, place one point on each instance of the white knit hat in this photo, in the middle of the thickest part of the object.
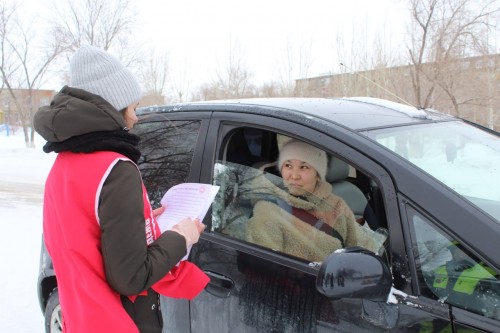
(298, 150)
(98, 72)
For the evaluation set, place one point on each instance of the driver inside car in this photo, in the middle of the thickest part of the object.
(301, 216)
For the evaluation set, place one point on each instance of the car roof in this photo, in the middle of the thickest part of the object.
(356, 113)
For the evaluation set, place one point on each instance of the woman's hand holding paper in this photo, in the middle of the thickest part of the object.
(190, 229)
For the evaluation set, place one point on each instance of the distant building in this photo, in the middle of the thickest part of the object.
(151, 99)
(9, 108)
(468, 88)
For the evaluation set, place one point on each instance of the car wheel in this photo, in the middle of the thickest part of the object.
(53, 316)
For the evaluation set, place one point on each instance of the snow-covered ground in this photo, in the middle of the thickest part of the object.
(22, 175)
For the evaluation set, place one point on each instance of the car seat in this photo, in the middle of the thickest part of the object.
(336, 174)
(238, 151)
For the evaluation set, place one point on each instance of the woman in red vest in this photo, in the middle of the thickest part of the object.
(110, 258)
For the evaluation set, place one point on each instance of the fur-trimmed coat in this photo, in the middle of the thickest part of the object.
(272, 224)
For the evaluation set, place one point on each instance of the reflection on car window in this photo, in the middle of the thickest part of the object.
(450, 274)
(167, 149)
(463, 157)
(255, 206)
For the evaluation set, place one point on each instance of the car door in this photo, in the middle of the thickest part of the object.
(171, 145)
(256, 289)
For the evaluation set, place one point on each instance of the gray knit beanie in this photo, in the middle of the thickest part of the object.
(98, 72)
(298, 150)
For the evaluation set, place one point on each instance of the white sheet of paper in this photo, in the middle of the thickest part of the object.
(186, 200)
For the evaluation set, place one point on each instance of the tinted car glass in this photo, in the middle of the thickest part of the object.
(167, 149)
(451, 274)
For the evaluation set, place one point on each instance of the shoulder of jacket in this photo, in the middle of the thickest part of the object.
(125, 165)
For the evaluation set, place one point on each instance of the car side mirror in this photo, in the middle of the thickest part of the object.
(354, 273)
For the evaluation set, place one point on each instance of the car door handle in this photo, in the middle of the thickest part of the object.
(219, 285)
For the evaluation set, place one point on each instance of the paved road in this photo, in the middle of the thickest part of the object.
(20, 242)
(20, 193)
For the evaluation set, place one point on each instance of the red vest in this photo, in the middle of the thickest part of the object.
(72, 236)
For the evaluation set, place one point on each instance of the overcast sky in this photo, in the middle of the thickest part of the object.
(198, 33)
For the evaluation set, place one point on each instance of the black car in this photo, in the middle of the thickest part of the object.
(426, 181)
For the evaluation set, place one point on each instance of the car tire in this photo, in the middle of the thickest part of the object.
(53, 315)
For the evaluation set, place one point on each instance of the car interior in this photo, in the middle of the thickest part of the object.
(256, 149)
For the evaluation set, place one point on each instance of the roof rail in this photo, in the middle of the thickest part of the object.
(398, 107)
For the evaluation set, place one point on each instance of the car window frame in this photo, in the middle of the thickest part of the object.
(203, 117)
(225, 122)
(465, 319)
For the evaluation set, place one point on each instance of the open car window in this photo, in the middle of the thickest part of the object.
(254, 205)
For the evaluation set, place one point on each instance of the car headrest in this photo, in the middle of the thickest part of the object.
(337, 170)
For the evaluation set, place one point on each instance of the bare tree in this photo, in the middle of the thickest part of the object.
(444, 31)
(154, 76)
(26, 58)
(276, 89)
(8, 66)
(361, 67)
(24, 64)
(295, 63)
(179, 85)
(232, 81)
(107, 24)
(101, 23)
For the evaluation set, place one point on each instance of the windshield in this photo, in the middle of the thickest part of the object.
(465, 158)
